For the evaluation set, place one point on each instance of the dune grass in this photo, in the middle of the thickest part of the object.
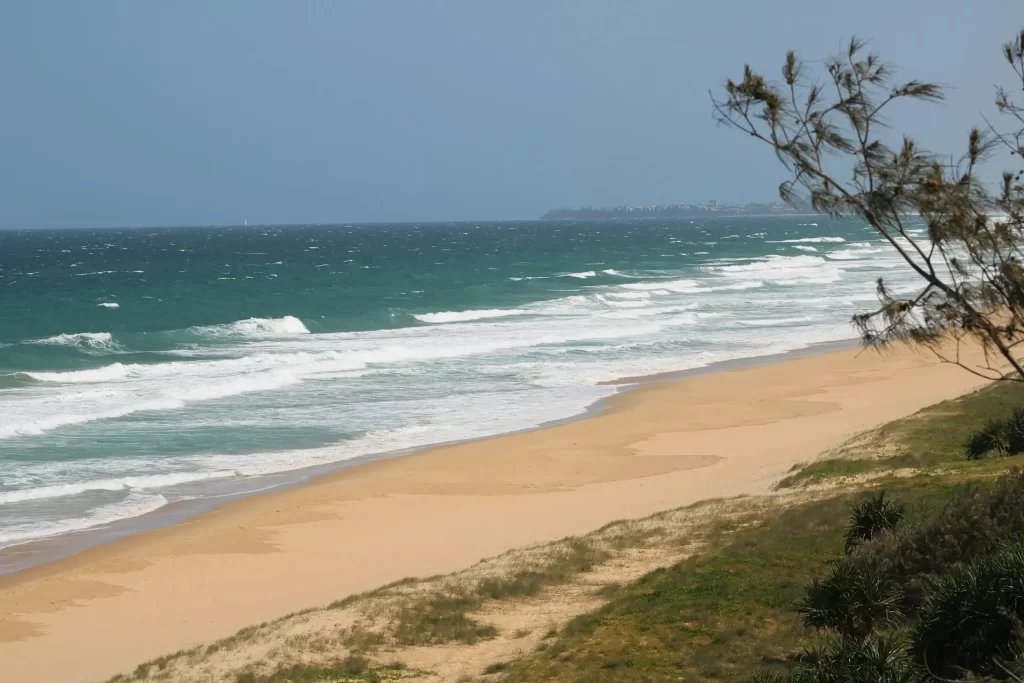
(934, 438)
(443, 617)
(352, 668)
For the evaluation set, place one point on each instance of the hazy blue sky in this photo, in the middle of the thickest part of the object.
(171, 113)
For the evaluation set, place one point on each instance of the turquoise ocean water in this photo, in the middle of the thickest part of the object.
(146, 366)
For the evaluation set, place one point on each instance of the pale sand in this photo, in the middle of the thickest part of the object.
(664, 445)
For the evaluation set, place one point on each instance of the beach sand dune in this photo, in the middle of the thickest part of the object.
(664, 445)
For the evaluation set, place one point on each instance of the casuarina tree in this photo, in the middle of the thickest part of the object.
(828, 127)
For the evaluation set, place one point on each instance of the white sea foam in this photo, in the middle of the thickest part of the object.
(259, 328)
(114, 371)
(804, 247)
(809, 239)
(680, 285)
(464, 316)
(108, 304)
(853, 254)
(785, 270)
(84, 407)
(134, 505)
(583, 275)
(630, 295)
(776, 322)
(119, 484)
(87, 341)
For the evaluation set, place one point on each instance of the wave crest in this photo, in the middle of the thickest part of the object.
(253, 327)
(85, 341)
(809, 239)
(464, 316)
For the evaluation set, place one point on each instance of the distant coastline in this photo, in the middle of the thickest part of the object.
(709, 210)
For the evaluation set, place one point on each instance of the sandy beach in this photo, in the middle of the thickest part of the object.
(663, 445)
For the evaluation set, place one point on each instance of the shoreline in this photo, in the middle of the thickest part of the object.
(661, 445)
(33, 553)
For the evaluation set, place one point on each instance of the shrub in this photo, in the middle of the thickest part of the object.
(985, 440)
(1015, 432)
(972, 619)
(977, 521)
(353, 665)
(1005, 436)
(852, 600)
(871, 517)
(876, 660)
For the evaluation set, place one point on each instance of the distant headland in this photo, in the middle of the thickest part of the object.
(708, 210)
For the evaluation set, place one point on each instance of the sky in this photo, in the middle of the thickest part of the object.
(125, 113)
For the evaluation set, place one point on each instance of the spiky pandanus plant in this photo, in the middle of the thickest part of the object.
(853, 600)
(971, 623)
(871, 517)
(839, 660)
(1005, 436)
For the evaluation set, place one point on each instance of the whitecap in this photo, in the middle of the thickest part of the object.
(113, 371)
(89, 341)
(809, 239)
(254, 327)
(464, 316)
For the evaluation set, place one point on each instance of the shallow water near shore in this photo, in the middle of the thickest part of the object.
(164, 371)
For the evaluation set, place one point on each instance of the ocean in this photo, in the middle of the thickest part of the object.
(142, 367)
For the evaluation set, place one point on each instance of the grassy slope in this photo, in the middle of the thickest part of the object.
(932, 440)
(728, 612)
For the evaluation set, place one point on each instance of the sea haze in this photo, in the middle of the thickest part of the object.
(142, 367)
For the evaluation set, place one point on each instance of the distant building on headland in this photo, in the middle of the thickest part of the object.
(711, 209)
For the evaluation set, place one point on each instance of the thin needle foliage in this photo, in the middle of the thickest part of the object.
(828, 127)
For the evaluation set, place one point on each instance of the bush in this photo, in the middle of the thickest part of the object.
(1005, 436)
(852, 600)
(876, 660)
(977, 521)
(985, 440)
(354, 664)
(871, 517)
(972, 619)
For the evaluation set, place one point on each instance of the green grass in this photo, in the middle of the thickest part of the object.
(442, 619)
(718, 616)
(579, 556)
(934, 438)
